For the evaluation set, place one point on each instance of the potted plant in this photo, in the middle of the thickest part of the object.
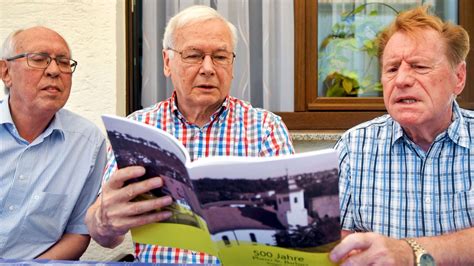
(348, 64)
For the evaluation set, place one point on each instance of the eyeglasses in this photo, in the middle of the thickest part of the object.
(193, 56)
(42, 61)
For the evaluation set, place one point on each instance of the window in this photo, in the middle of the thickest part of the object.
(311, 105)
(226, 240)
(316, 111)
(253, 238)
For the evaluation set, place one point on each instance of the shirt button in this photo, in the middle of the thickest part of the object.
(428, 200)
(36, 197)
(11, 208)
(22, 177)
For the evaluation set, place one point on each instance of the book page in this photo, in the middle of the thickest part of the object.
(136, 143)
(271, 211)
(127, 130)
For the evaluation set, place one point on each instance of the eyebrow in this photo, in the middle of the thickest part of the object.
(223, 48)
(39, 51)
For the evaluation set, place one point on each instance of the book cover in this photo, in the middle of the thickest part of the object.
(245, 210)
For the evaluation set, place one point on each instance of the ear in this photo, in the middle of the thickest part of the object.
(166, 63)
(460, 77)
(4, 73)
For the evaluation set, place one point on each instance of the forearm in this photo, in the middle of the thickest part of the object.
(451, 249)
(69, 247)
(95, 228)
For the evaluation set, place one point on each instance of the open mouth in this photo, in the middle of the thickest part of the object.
(407, 100)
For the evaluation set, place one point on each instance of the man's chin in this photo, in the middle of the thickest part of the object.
(406, 119)
(203, 103)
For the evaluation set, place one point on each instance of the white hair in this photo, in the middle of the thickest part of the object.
(194, 14)
(8, 49)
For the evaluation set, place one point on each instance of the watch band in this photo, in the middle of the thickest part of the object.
(418, 250)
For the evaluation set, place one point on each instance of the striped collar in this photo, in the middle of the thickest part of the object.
(457, 131)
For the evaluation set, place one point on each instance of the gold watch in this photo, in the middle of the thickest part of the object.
(422, 257)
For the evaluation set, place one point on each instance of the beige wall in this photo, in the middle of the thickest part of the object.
(95, 31)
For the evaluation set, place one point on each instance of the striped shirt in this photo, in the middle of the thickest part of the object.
(236, 129)
(389, 185)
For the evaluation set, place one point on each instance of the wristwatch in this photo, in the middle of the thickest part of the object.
(422, 257)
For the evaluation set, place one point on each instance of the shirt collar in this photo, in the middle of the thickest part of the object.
(6, 118)
(218, 114)
(56, 125)
(457, 131)
(397, 132)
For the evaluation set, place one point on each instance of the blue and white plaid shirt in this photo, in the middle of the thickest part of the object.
(390, 186)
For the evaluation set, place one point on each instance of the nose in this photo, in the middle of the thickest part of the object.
(207, 66)
(404, 76)
(53, 69)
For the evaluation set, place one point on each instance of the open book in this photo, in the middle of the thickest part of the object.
(245, 210)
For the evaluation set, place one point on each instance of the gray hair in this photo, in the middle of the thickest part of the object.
(9, 48)
(193, 14)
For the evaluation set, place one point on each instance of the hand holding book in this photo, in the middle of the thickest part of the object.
(119, 211)
(245, 210)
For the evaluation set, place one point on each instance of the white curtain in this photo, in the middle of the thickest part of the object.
(264, 66)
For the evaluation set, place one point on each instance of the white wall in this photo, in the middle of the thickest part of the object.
(95, 31)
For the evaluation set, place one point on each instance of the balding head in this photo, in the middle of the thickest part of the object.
(18, 41)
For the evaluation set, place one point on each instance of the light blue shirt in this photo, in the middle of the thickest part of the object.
(391, 186)
(46, 186)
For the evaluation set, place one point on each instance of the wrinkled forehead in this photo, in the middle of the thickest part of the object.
(210, 31)
(40, 39)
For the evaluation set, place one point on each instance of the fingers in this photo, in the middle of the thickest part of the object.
(370, 249)
(115, 221)
(118, 213)
(117, 192)
(145, 206)
(131, 191)
(148, 218)
(351, 243)
(120, 176)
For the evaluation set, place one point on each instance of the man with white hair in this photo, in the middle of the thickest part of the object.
(198, 56)
(52, 159)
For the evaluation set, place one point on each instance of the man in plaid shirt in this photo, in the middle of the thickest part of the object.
(406, 179)
(198, 57)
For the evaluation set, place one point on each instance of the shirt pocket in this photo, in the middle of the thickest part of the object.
(462, 210)
(45, 219)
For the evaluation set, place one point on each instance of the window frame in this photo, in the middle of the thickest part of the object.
(313, 112)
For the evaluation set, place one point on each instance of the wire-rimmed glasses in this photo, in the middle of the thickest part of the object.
(42, 60)
(194, 56)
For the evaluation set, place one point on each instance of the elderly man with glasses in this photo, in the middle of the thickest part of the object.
(198, 56)
(51, 159)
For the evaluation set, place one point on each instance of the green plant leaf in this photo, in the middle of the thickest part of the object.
(347, 85)
(369, 44)
(358, 9)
